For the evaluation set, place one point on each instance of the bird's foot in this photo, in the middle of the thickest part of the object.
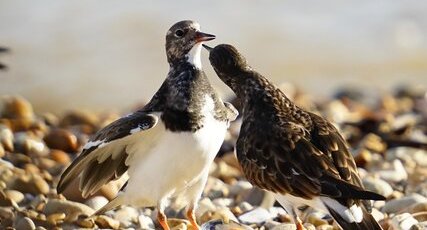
(192, 218)
(299, 225)
(163, 221)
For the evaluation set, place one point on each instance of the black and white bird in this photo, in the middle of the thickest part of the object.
(166, 147)
(297, 155)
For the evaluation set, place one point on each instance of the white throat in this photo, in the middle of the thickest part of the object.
(193, 57)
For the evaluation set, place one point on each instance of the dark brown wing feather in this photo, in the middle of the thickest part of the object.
(285, 157)
(96, 173)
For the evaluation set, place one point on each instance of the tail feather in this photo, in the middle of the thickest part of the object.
(368, 222)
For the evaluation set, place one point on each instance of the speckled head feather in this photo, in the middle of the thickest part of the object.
(181, 38)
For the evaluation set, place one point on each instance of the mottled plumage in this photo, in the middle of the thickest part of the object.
(166, 147)
(296, 154)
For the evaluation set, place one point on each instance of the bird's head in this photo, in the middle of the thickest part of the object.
(228, 63)
(225, 59)
(183, 42)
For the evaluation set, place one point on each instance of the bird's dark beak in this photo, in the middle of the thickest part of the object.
(202, 37)
(208, 48)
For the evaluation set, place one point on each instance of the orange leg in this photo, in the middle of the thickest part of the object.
(192, 218)
(163, 220)
(299, 224)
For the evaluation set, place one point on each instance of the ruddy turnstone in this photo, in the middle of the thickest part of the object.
(166, 147)
(296, 154)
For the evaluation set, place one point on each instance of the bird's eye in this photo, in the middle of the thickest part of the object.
(179, 33)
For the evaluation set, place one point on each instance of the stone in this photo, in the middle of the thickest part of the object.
(104, 221)
(285, 226)
(223, 214)
(15, 107)
(33, 184)
(96, 202)
(215, 188)
(394, 206)
(61, 139)
(396, 174)
(56, 218)
(85, 222)
(418, 207)
(6, 138)
(60, 156)
(403, 221)
(256, 216)
(14, 195)
(223, 202)
(377, 185)
(325, 227)
(145, 222)
(239, 187)
(220, 225)
(29, 144)
(205, 205)
(71, 209)
(25, 223)
(315, 219)
(127, 216)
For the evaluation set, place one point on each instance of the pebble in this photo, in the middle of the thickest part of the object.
(403, 221)
(104, 221)
(56, 218)
(126, 216)
(96, 202)
(61, 139)
(223, 214)
(396, 174)
(257, 216)
(15, 107)
(145, 222)
(377, 185)
(14, 195)
(25, 223)
(71, 209)
(60, 156)
(33, 184)
(6, 138)
(30, 144)
(394, 206)
(285, 226)
(418, 207)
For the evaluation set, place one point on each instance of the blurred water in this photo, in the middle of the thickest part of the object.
(106, 54)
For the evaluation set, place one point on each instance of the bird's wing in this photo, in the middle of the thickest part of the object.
(106, 156)
(283, 157)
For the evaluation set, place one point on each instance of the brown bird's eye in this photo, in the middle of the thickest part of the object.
(179, 33)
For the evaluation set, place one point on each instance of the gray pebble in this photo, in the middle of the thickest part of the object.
(25, 223)
(394, 206)
(256, 216)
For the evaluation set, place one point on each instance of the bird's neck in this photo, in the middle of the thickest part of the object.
(193, 58)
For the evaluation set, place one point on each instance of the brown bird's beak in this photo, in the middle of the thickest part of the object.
(208, 48)
(202, 37)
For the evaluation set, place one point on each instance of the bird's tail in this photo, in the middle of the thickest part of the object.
(353, 218)
(114, 203)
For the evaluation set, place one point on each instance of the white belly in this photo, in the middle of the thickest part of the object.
(173, 163)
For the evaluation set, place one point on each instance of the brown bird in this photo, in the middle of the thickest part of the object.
(299, 156)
